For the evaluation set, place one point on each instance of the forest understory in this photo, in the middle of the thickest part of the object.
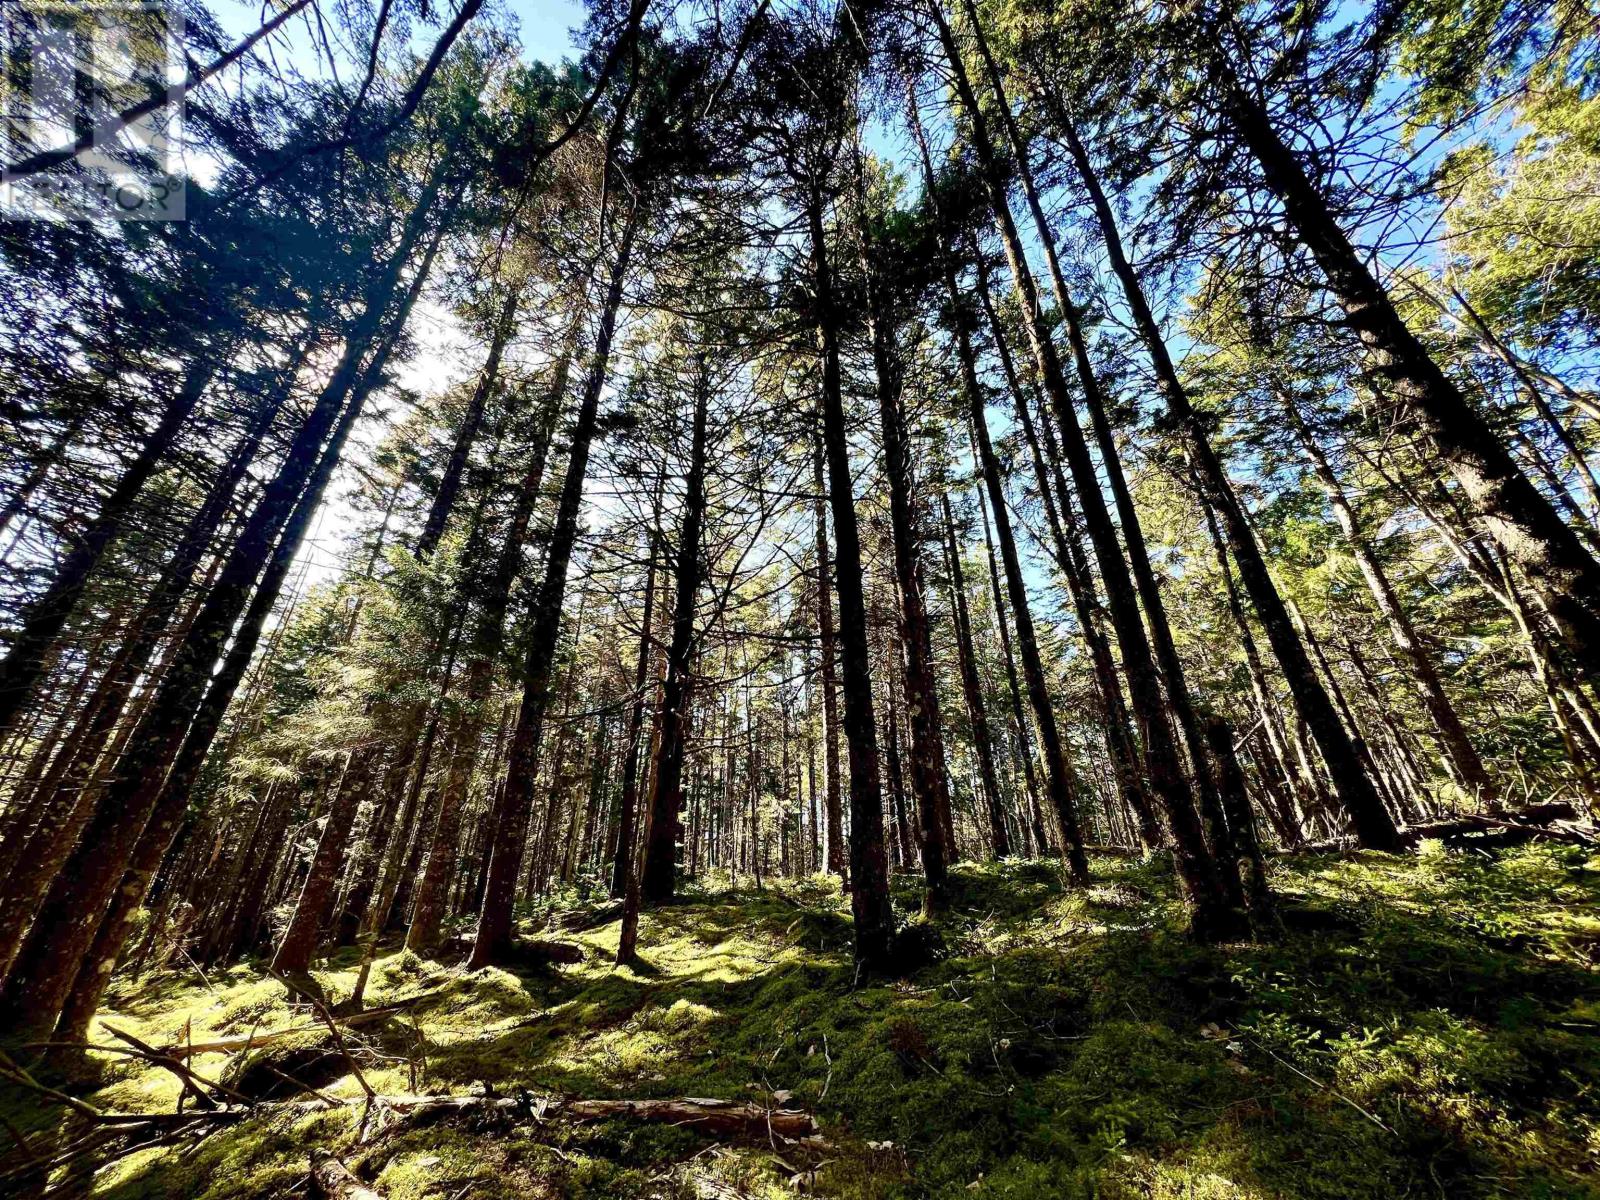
(1421, 1027)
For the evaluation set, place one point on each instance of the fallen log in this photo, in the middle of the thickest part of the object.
(117, 1134)
(1556, 821)
(710, 1116)
(260, 1038)
(332, 1179)
(729, 1118)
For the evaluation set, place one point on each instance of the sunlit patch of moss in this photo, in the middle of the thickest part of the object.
(141, 1091)
(681, 1017)
(259, 1003)
(1193, 1181)
(487, 993)
(439, 1160)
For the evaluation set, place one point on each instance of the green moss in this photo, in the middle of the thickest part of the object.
(1425, 1026)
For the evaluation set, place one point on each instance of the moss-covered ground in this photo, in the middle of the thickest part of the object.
(1425, 1026)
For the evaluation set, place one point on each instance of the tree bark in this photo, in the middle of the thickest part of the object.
(176, 719)
(628, 815)
(89, 981)
(916, 644)
(1058, 783)
(1236, 803)
(488, 639)
(1460, 757)
(471, 425)
(331, 1179)
(1144, 577)
(1080, 584)
(972, 689)
(299, 941)
(1019, 716)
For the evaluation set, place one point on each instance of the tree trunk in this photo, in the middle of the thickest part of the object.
(299, 941)
(628, 806)
(659, 871)
(1019, 716)
(916, 646)
(48, 615)
(1080, 584)
(869, 865)
(1457, 751)
(1058, 783)
(172, 802)
(1236, 803)
(488, 639)
(899, 827)
(89, 981)
(1144, 577)
(514, 808)
(972, 689)
(834, 802)
(177, 727)
(471, 424)
(1304, 781)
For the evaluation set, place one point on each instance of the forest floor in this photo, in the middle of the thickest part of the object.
(1425, 1026)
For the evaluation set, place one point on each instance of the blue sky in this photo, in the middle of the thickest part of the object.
(545, 27)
